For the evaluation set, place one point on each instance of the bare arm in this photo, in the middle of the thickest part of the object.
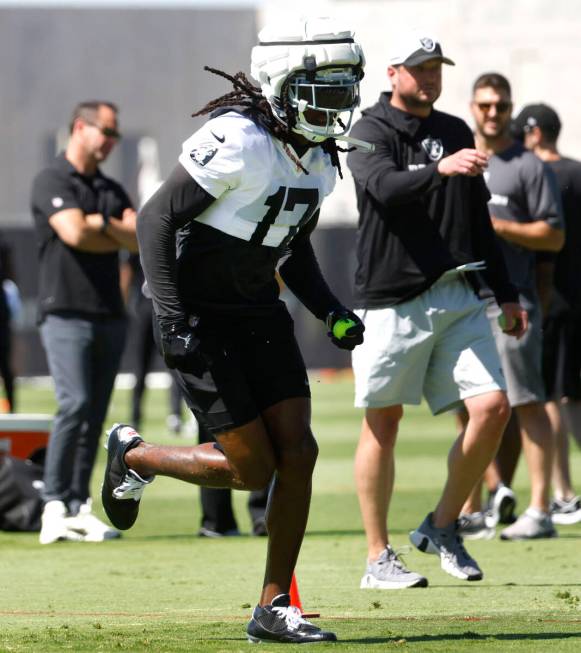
(82, 232)
(121, 230)
(469, 162)
(537, 235)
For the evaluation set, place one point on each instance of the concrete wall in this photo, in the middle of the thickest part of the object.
(150, 62)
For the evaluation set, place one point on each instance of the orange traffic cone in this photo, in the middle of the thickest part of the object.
(295, 600)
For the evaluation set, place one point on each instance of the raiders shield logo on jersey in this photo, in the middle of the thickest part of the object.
(202, 154)
(433, 148)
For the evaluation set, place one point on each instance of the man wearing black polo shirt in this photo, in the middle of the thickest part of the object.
(82, 219)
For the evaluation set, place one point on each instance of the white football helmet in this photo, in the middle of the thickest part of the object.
(317, 66)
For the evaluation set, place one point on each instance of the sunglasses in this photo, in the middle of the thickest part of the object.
(501, 107)
(108, 132)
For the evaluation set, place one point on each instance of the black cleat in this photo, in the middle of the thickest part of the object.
(122, 487)
(282, 622)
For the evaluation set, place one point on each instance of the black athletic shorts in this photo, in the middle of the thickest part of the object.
(252, 363)
(562, 356)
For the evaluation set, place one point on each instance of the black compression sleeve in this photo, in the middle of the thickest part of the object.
(302, 274)
(178, 200)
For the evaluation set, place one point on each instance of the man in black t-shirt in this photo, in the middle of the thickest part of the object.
(540, 126)
(82, 219)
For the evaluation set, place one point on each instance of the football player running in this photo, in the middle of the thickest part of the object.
(242, 203)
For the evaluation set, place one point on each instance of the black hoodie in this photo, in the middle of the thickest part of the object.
(414, 224)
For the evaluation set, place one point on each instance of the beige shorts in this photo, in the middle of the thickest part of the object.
(438, 345)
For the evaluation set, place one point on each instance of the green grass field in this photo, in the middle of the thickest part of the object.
(162, 589)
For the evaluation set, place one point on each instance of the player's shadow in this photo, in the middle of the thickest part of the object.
(465, 636)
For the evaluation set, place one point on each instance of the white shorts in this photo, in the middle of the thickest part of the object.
(438, 345)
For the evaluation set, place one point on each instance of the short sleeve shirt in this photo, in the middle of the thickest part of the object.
(263, 200)
(262, 195)
(567, 280)
(74, 281)
(521, 190)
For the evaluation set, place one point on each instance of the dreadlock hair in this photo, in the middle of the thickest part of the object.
(246, 95)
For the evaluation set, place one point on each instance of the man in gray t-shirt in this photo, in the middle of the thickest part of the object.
(526, 216)
(524, 209)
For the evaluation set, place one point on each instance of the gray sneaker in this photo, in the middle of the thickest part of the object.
(389, 573)
(531, 525)
(473, 526)
(566, 511)
(447, 543)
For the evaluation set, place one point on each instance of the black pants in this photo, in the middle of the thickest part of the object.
(143, 351)
(83, 359)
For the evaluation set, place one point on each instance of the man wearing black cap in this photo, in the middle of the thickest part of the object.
(540, 126)
(424, 231)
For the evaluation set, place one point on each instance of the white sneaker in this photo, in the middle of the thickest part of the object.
(566, 511)
(54, 526)
(90, 526)
(531, 525)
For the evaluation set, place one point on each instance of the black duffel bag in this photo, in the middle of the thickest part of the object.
(21, 504)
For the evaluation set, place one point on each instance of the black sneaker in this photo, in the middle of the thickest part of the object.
(282, 622)
(501, 506)
(122, 487)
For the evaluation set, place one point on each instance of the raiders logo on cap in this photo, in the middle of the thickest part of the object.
(429, 45)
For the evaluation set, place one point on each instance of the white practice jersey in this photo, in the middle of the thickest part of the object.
(262, 196)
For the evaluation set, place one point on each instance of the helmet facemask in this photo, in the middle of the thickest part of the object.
(309, 72)
(330, 94)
